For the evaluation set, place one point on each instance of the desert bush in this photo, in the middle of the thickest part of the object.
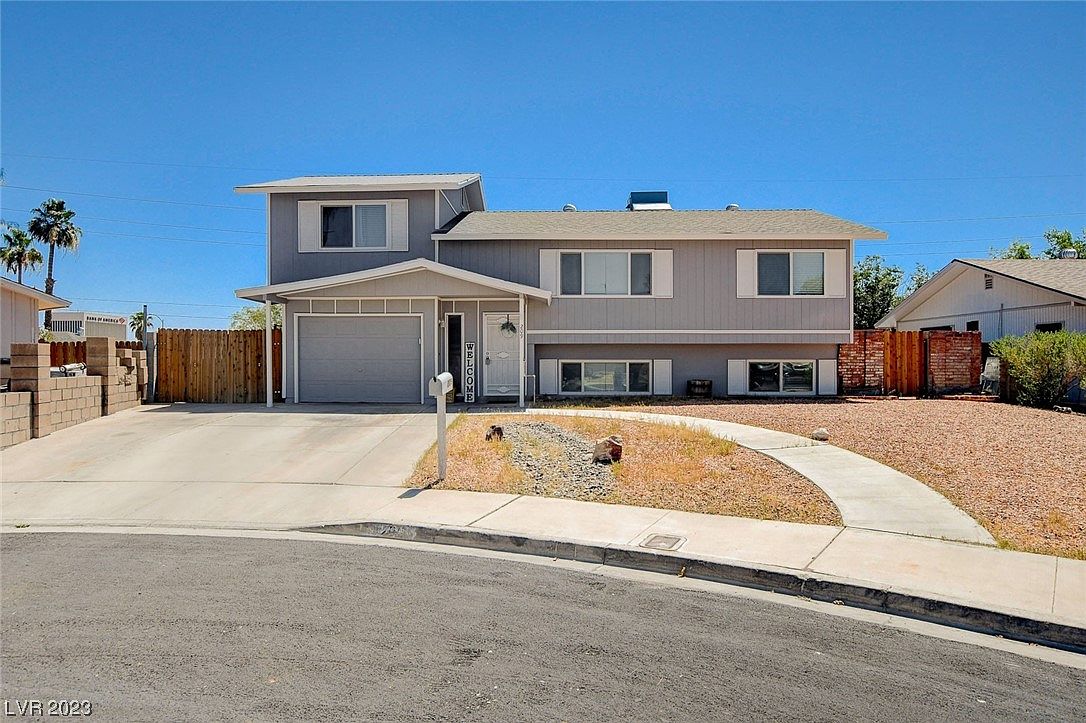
(1044, 365)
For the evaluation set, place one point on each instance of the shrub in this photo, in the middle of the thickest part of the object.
(1044, 365)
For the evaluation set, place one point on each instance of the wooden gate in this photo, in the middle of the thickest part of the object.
(202, 365)
(904, 363)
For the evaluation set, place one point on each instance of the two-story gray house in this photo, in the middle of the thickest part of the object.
(386, 280)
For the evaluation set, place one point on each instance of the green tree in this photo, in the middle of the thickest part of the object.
(1018, 249)
(19, 253)
(874, 287)
(920, 276)
(1044, 364)
(1060, 240)
(135, 323)
(252, 317)
(51, 224)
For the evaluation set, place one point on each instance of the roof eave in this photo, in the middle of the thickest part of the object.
(359, 188)
(46, 302)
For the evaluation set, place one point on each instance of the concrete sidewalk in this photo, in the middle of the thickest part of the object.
(1036, 587)
(868, 494)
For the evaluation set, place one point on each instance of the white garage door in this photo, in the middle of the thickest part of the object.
(359, 359)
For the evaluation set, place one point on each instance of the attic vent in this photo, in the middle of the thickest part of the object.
(648, 201)
(569, 207)
(732, 207)
(1069, 253)
(987, 281)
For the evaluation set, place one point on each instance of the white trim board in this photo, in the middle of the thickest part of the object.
(422, 346)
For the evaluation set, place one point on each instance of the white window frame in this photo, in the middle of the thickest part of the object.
(629, 274)
(352, 204)
(626, 393)
(791, 275)
(780, 377)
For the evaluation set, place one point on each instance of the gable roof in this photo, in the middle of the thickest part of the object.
(655, 225)
(45, 301)
(1062, 276)
(392, 182)
(260, 293)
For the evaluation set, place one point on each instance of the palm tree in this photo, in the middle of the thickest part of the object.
(135, 323)
(19, 254)
(51, 224)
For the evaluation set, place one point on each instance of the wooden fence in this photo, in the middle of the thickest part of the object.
(909, 363)
(201, 365)
(72, 352)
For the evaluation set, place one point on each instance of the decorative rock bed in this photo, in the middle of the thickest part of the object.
(558, 461)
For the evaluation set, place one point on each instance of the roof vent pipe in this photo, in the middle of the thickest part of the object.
(732, 207)
(569, 207)
(1069, 254)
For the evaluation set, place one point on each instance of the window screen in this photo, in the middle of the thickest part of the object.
(571, 274)
(336, 227)
(773, 274)
(808, 273)
(641, 274)
(798, 376)
(369, 227)
(607, 273)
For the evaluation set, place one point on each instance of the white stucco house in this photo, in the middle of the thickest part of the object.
(997, 297)
(20, 307)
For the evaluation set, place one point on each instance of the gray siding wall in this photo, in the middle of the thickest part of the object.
(289, 265)
(705, 297)
(688, 361)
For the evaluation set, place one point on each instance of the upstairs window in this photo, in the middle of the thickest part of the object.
(606, 273)
(360, 226)
(792, 273)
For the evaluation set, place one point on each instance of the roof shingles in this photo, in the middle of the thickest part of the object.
(656, 224)
(1067, 276)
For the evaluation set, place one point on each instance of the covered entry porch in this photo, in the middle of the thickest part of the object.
(379, 335)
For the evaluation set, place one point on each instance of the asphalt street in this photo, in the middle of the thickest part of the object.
(153, 627)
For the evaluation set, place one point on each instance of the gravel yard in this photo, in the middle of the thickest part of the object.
(664, 466)
(1020, 472)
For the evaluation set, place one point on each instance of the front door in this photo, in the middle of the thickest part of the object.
(501, 355)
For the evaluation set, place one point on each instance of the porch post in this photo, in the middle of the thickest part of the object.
(268, 366)
(523, 338)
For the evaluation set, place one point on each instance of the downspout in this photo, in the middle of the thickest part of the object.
(437, 251)
(1001, 320)
(268, 351)
(523, 339)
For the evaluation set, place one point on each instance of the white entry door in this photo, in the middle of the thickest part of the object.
(501, 355)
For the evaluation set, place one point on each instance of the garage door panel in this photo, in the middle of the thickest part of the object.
(359, 359)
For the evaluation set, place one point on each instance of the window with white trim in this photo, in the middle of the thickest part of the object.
(605, 377)
(356, 225)
(781, 377)
(791, 273)
(605, 273)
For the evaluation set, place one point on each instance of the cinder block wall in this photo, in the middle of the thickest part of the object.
(115, 381)
(15, 418)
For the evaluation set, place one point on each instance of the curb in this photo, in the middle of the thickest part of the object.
(920, 606)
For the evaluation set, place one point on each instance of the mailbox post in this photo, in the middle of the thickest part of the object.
(440, 386)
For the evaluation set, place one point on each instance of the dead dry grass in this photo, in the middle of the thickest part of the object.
(1019, 472)
(663, 466)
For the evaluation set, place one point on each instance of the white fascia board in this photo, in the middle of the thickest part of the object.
(45, 301)
(256, 293)
(358, 187)
(452, 236)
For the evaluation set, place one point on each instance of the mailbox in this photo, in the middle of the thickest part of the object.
(441, 385)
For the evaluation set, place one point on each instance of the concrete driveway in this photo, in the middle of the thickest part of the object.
(339, 444)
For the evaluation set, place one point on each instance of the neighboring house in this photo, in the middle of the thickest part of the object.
(388, 279)
(20, 306)
(78, 325)
(998, 297)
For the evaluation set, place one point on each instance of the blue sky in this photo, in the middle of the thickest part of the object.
(882, 113)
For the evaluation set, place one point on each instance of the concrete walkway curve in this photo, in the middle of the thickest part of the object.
(869, 494)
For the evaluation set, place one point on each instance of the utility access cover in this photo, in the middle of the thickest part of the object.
(663, 542)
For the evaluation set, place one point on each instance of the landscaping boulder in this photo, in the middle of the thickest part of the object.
(608, 450)
(821, 434)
